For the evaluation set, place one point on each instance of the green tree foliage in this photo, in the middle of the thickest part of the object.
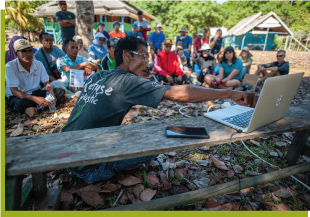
(18, 15)
(201, 14)
(175, 14)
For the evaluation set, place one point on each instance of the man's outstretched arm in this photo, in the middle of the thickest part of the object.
(194, 94)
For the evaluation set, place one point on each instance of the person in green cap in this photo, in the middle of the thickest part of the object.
(108, 62)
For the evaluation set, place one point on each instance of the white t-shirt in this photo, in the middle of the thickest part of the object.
(17, 76)
(143, 23)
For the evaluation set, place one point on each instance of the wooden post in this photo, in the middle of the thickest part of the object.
(45, 29)
(266, 39)
(106, 22)
(123, 27)
(131, 20)
(54, 32)
(243, 39)
(100, 19)
(39, 185)
(297, 145)
(286, 42)
(13, 189)
(193, 196)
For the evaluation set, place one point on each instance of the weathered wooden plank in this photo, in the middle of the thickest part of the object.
(13, 187)
(193, 196)
(54, 151)
(297, 146)
(39, 185)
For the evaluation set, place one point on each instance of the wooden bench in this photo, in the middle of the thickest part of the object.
(251, 46)
(38, 154)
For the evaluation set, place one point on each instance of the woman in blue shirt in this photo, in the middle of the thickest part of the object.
(230, 75)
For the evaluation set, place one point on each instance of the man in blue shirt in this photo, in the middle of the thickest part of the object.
(217, 43)
(156, 39)
(73, 61)
(48, 54)
(134, 31)
(186, 39)
(66, 21)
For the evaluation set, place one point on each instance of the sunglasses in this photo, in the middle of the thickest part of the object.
(167, 46)
(61, 4)
(280, 55)
(146, 57)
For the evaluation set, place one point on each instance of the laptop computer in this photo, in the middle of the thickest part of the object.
(272, 105)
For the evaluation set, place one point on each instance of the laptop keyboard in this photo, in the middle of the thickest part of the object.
(240, 120)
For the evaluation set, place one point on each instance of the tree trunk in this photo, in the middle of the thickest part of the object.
(85, 21)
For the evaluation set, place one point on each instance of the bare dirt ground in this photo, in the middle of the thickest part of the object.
(178, 172)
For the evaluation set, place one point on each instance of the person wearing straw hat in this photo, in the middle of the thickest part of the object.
(186, 39)
(198, 42)
(156, 39)
(167, 66)
(246, 59)
(204, 64)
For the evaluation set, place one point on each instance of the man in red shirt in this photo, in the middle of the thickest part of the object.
(198, 42)
(143, 25)
(167, 65)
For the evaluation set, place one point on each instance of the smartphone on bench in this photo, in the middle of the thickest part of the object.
(187, 132)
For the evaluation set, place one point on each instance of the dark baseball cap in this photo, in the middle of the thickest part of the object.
(112, 42)
(139, 13)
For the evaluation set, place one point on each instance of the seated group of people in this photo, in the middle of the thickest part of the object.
(210, 67)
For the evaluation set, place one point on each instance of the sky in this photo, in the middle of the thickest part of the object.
(221, 1)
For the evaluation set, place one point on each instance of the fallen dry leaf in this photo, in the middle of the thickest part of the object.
(96, 188)
(137, 190)
(109, 188)
(66, 197)
(37, 127)
(147, 194)
(280, 144)
(48, 126)
(281, 207)
(283, 193)
(90, 197)
(153, 180)
(230, 173)
(238, 168)
(131, 180)
(211, 204)
(19, 130)
(255, 142)
(273, 153)
(251, 173)
(219, 164)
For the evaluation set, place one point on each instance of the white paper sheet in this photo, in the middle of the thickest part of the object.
(77, 78)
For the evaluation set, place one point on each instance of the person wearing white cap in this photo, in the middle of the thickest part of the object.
(156, 39)
(186, 39)
(198, 42)
(246, 59)
(23, 76)
(204, 64)
(81, 51)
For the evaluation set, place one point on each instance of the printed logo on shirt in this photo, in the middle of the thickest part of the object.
(89, 94)
(108, 91)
